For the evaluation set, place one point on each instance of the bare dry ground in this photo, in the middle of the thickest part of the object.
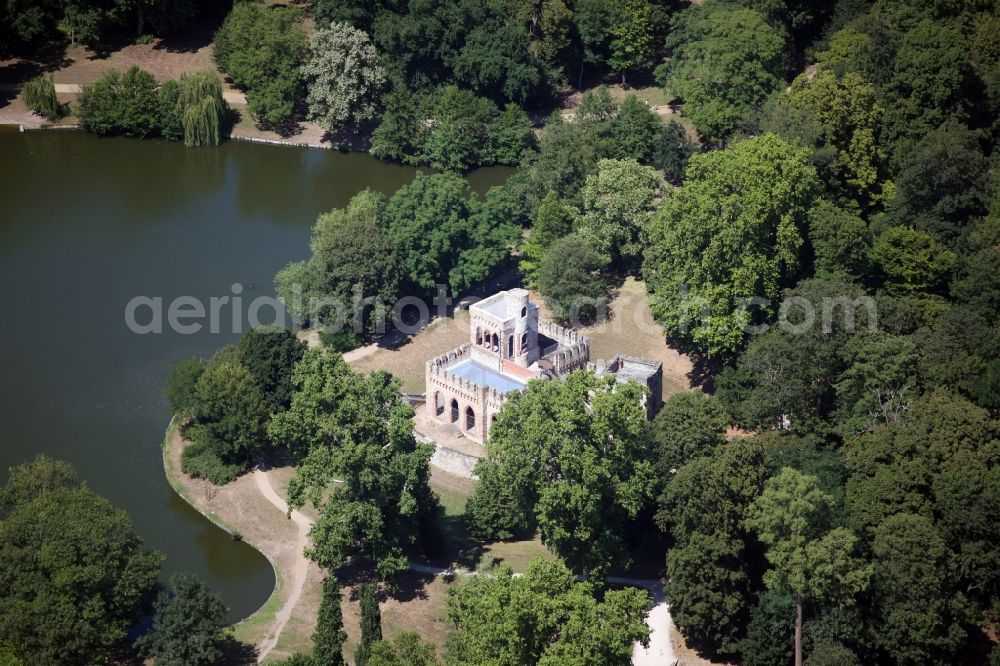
(240, 508)
(629, 330)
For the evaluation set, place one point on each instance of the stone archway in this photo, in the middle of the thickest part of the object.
(438, 404)
(454, 410)
(470, 418)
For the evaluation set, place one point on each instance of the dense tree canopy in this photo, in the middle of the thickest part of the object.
(188, 624)
(557, 620)
(356, 429)
(724, 62)
(732, 232)
(578, 475)
(261, 49)
(75, 574)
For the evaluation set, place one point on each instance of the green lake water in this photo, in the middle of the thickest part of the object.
(86, 224)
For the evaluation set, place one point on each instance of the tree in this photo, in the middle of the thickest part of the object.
(553, 220)
(270, 354)
(672, 151)
(840, 241)
(689, 425)
(915, 607)
(357, 429)
(120, 104)
(230, 413)
(512, 135)
(431, 224)
(716, 43)
(461, 132)
(25, 23)
(40, 97)
(879, 383)
(344, 77)
(329, 634)
(496, 63)
(631, 37)
(353, 261)
(942, 200)
(579, 475)
(201, 108)
(567, 153)
(32, 480)
(261, 48)
(977, 278)
(405, 649)
(710, 588)
(571, 280)
(403, 130)
(730, 234)
(188, 624)
(912, 260)
(839, 116)
(807, 559)
(618, 201)
(927, 82)
(371, 623)
(181, 383)
(893, 468)
(544, 617)
(713, 562)
(634, 131)
(75, 574)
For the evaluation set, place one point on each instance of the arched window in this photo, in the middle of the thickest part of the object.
(524, 312)
(438, 404)
(510, 347)
(479, 336)
(470, 418)
(524, 342)
(454, 410)
(496, 343)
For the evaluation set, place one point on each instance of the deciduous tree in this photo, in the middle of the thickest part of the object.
(188, 625)
(731, 233)
(577, 474)
(545, 617)
(344, 77)
(807, 558)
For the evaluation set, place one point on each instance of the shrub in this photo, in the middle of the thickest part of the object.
(117, 103)
(40, 97)
(201, 462)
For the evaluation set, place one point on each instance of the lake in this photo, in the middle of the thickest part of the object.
(86, 225)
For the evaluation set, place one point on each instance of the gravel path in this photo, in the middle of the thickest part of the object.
(659, 653)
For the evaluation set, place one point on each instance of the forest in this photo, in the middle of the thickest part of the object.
(830, 493)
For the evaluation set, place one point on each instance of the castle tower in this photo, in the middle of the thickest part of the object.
(503, 330)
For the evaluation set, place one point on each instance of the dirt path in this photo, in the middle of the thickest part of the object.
(659, 653)
(299, 571)
(284, 623)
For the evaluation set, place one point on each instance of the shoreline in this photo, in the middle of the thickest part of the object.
(274, 629)
(44, 127)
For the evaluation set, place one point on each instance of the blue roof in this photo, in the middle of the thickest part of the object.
(483, 376)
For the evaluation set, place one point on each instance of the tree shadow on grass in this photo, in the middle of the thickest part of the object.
(703, 368)
(237, 653)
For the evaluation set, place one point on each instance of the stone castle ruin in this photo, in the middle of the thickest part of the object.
(508, 347)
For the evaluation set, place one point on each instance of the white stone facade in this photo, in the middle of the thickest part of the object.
(508, 347)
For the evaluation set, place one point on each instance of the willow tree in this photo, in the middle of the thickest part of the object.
(202, 108)
(40, 97)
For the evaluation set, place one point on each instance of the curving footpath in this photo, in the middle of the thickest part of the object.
(299, 570)
(659, 653)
